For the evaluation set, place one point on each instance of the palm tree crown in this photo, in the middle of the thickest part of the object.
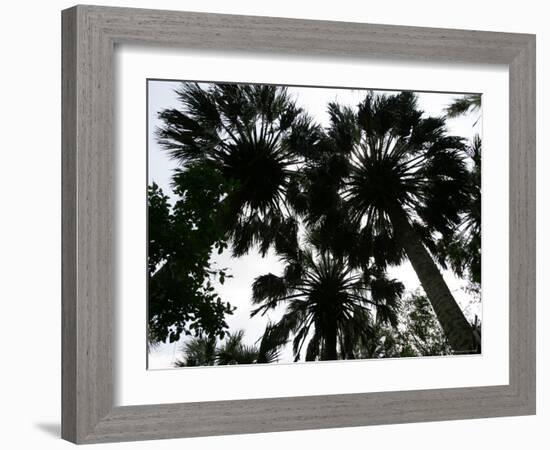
(404, 161)
(463, 105)
(463, 247)
(382, 182)
(248, 133)
(327, 303)
(207, 351)
(408, 181)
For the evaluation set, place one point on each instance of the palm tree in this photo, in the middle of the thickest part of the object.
(251, 135)
(329, 305)
(198, 351)
(407, 183)
(463, 105)
(319, 201)
(463, 247)
(207, 351)
(234, 351)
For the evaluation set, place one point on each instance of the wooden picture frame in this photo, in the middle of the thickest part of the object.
(90, 34)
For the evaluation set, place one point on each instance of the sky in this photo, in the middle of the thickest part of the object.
(245, 269)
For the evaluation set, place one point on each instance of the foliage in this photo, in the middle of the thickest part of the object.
(258, 173)
(207, 351)
(406, 161)
(250, 135)
(198, 351)
(422, 334)
(463, 105)
(329, 306)
(407, 186)
(317, 194)
(418, 333)
(369, 161)
(463, 247)
(182, 298)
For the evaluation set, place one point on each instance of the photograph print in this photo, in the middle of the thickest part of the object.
(291, 224)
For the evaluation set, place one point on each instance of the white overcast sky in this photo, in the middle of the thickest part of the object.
(237, 290)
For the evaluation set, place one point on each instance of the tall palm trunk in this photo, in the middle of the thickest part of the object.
(329, 348)
(455, 326)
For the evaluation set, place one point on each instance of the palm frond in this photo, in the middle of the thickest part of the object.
(463, 105)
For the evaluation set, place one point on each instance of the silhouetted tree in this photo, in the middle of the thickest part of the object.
(382, 182)
(462, 248)
(207, 351)
(328, 304)
(408, 181)
(181, 296)
(418, 333)
(251, 136)
(463, 105)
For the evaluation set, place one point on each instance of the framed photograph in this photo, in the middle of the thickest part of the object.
(276, 224)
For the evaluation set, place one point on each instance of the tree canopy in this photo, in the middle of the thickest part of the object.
(381, 183)
(181, 239)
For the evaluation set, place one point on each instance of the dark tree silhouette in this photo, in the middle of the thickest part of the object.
(250, 135)
(418, 333)
(381, 183)
(318, 196)
(409, 176)
(198, 351)
(207, 351)
(422, 333)
(181, 239)
(328, 304)
(463, 105)
(399, 178)
(463, 247)
(392, 182)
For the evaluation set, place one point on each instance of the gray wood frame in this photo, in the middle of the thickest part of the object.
(89, 36)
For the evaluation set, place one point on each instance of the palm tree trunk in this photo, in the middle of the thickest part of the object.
(329, 347)
(458, 331)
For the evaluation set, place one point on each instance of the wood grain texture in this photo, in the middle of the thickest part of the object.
(68, 226)
(89, 36)
(523, 224)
